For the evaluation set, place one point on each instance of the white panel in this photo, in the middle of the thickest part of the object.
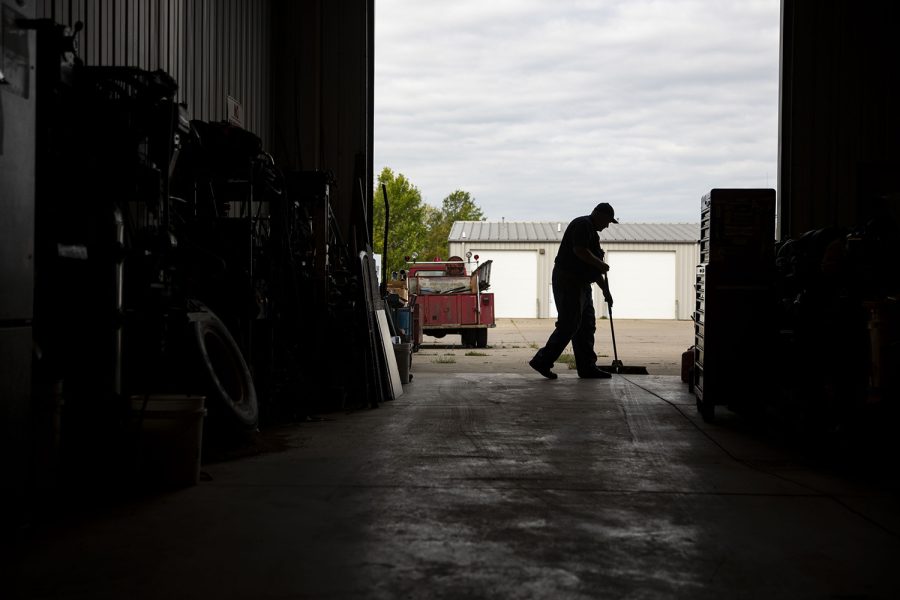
(552, 312)
(388, 347)
(513, 282)
(642, 284)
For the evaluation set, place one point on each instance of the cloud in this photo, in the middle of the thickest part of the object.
(539, 109)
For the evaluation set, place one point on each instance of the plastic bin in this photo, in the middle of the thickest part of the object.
(169, 437)
(404, 321)
(403, 353)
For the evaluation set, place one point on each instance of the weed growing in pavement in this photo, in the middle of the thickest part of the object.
(567, 359)
(475, 353)
(445, 360)
(533, 345)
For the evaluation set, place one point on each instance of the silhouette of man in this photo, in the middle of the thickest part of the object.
(579, 262)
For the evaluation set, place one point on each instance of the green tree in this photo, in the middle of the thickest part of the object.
(407, 228)
(458, 206)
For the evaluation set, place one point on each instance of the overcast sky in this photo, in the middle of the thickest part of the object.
(542, 108)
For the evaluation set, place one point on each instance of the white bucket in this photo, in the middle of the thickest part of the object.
(170, 435)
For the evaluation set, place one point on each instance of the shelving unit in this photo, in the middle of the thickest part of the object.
(732, 319)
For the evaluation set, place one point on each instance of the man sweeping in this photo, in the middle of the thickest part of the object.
(579, 262)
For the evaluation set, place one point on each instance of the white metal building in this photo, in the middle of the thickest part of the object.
(652, 266)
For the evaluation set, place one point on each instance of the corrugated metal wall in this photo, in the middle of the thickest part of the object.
(212, 48)
(687, 257)
(839, 114)
(323, 95)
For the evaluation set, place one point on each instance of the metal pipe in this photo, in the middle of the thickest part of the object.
(387, 225)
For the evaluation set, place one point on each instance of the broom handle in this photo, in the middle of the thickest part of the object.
(612, 328)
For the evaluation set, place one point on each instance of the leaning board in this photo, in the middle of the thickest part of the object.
(393, 371)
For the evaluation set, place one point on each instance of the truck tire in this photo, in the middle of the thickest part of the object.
(468, 338)
(227, 376)
(481, 338)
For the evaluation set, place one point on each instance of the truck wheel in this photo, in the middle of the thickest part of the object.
(467, 336)
(228, 379)
(481, 338)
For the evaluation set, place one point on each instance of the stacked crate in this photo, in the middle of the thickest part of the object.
(732, 317)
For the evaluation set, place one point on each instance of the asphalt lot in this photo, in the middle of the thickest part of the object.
(655, 344)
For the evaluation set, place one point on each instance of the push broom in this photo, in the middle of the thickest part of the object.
(617, 366)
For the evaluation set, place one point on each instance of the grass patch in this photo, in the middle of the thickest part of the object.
(445, 360)
(567, 359)
(476, 353)
(533, 345)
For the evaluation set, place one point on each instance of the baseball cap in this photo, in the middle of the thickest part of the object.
(605, 209)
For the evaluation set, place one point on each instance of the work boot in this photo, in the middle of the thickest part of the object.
(542, 369)
(595, 373)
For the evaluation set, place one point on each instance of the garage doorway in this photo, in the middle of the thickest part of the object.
(513, 282)
(642, 284)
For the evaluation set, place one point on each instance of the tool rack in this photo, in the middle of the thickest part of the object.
(733, 289)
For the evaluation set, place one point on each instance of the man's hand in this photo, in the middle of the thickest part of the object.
(604, 286)
(608, 297)
(603, 283)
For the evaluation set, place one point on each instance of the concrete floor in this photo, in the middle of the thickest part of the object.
(493, 485)
(655, 344)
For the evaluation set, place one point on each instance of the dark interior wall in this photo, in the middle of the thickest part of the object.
(297, 85)
(840, 113)
(17, 188)
(322, 98)
(212, 48)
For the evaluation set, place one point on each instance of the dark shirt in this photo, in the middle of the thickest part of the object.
(580, 232)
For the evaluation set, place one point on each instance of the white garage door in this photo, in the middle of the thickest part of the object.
(552, 305)
(513, 282)
(642, 284)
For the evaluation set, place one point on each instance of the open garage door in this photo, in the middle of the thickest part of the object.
(642, 284)
(513, 282)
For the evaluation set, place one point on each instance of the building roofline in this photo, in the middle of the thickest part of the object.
(552, 231)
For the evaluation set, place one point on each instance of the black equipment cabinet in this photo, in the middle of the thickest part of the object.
(733, 322)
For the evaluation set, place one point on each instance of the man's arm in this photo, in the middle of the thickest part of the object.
(603, 282)
(591, 259)
(601, 268)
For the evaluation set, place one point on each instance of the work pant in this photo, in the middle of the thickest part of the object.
(576, 322)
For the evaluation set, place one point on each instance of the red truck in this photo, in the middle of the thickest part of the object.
(447, 297)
